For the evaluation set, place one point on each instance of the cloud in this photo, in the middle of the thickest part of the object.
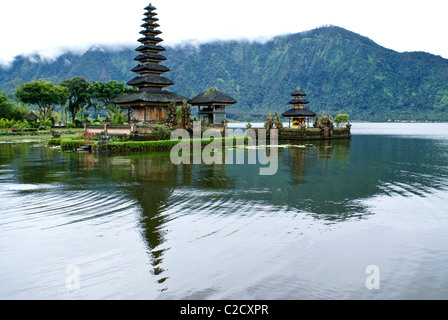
(48, 27)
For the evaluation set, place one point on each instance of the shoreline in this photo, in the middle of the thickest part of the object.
(38, 135)
(141, 146)
(74, 133)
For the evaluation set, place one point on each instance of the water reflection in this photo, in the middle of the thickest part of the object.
(150, 180)
(326, 181)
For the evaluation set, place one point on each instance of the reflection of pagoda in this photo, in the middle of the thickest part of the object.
(299, 114)
(150, 102)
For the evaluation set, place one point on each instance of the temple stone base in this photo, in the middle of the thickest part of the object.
(313, 133)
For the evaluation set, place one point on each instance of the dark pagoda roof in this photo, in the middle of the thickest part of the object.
(150, 56)
(212, 97)
(149, 31)
(299, 112)
(150, 25)
(297, 102)
(298, 93)
(152, 14)
(150, 79)
(149, 97)
(150, 19)
(150, 38)
(150, 67)
(150, 7)
(31, 116)
(148, 47)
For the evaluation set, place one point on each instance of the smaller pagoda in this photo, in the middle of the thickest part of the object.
(299, 114)
(212, 106)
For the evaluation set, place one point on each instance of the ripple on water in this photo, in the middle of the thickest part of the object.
(29, 205)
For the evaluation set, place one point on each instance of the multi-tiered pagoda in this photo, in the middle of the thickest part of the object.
(299, 114)
(150, 102)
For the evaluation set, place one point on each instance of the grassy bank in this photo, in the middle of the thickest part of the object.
(139, 146)
(38, 135)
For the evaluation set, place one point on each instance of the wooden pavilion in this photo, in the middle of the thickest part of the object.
(299, 114)
(212, 106)
(150, 102)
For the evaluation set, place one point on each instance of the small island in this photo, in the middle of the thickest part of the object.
(324, 126)
(156, 110)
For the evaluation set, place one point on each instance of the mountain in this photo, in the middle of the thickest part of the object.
(341, 71)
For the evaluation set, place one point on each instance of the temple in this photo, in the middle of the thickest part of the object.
(150, 102)
(152, 105)
(212, 107)
(322, 128)
(299, 114)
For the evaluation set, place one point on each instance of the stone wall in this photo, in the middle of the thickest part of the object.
(313, 133)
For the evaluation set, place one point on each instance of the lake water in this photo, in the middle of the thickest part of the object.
(365, 218)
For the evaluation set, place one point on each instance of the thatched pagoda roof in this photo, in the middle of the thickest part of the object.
(211, 98)
(298, 93)
(150, 32)
(299, 112)
(149, 47)
(150, 56)
(150, 80)
(150, 7)
(154, 67)
(162, 97)
(150, 25)
(149, 39)
(153, 19)
(31, 116)
(297, 102)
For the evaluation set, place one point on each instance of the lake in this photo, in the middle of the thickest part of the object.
(365, 218)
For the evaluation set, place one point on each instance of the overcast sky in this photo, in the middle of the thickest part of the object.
(50, 26)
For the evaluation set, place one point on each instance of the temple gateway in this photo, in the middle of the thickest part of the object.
(212, 107)
(150, 102)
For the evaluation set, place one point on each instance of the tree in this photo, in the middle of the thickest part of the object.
(78, 98)
(186, 114)
(269, 124)
(341, 118)
(100, 94)
(9, 110)
(45, 95)
(278, 123)
(116, 116)
(6, 123)
(171, 118)
(317, 122)
(6, 107)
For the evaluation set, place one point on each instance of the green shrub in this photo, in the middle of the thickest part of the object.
(136, 146)
(145, 146)
(69, 144)
(54, 142)
(116, 116)
(162, 133)
(341, 119)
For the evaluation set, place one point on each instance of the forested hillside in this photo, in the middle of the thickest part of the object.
(342, 72)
